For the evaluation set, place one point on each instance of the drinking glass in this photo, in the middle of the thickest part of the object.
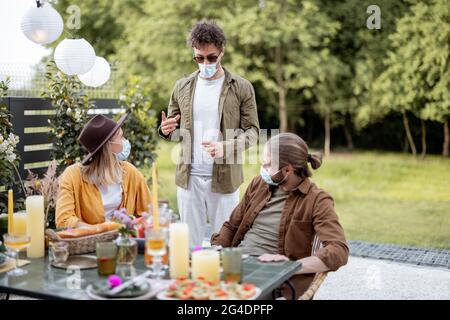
(15, 243)
(156, 247)
(165, 215)
(59, 251)
(20, 223)
(106, 258)
(232, 264)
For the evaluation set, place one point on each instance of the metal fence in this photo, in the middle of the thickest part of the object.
(31, 82)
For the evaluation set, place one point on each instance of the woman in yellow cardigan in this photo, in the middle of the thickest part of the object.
(103, 181)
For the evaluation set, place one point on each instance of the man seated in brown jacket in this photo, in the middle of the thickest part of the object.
(281, 212)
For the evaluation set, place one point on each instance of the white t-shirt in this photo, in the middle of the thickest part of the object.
(111, 197)
(206, 123)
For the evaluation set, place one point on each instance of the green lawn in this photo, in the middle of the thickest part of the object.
(380, 197)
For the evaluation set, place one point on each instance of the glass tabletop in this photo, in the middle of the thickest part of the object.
(44, 281)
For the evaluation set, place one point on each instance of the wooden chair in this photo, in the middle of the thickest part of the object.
(313, 287)
(318, 278)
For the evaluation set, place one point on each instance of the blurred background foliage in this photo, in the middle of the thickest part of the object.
(316, 67)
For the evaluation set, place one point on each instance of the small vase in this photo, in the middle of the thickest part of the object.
(127, 250)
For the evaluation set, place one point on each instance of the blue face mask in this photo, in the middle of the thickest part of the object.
(207, 70)
(126, 150)
(268, 178)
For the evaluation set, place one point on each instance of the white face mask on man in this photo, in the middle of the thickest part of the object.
(207, 70)
(267, 177)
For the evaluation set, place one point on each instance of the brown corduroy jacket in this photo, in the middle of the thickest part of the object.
(308, 211)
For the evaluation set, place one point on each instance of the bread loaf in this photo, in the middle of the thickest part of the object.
(88, 230)
(108, 226)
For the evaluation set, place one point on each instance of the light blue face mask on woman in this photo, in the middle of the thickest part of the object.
(126, 150)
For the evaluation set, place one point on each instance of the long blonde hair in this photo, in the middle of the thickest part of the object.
(104, 169)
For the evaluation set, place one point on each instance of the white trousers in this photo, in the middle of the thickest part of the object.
(199, 205)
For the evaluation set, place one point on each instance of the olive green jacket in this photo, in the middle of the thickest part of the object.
(239, 128)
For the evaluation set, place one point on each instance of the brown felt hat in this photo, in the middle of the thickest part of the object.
(98, 131)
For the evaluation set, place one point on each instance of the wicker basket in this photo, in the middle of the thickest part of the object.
(86, 244)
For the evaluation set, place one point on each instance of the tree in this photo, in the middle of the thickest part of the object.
(281, 44)
(435, 64)
(417, 72)
(362, 51)
(98, 24)
(154, 46)
(331, 98)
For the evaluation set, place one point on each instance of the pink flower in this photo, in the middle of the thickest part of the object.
(114, 281)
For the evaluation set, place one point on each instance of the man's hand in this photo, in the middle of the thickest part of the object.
(214, 149)
(169, 125)
(272, 258)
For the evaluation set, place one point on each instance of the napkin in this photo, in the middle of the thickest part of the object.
(11, 264)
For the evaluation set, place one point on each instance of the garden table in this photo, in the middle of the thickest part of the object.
(46, 282)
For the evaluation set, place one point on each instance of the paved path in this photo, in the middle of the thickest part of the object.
(369, 279)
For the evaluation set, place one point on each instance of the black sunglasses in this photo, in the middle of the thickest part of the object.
(210, 58)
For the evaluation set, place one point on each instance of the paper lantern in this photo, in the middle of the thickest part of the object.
(98, 75)
(74, 56)
(42, 24)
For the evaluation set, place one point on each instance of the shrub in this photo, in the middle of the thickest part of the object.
(140, 127)
(9, 157)
(71, 113)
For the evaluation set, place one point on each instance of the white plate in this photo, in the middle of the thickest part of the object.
(94, 296)
(162, 295)
(155, 287)
(82, 262)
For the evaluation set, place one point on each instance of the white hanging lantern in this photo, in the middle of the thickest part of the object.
(98, 75)
(74, 56)
(42, 24)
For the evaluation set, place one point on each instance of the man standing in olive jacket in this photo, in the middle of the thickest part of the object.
(214, 114)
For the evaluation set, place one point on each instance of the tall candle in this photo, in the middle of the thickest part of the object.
(155, 198)
(35, 226)
(10, 212)
(179, 250)
(206, 265)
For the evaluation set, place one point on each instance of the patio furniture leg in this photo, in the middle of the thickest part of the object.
(292, 287)
(276, 293)
(5, 296)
